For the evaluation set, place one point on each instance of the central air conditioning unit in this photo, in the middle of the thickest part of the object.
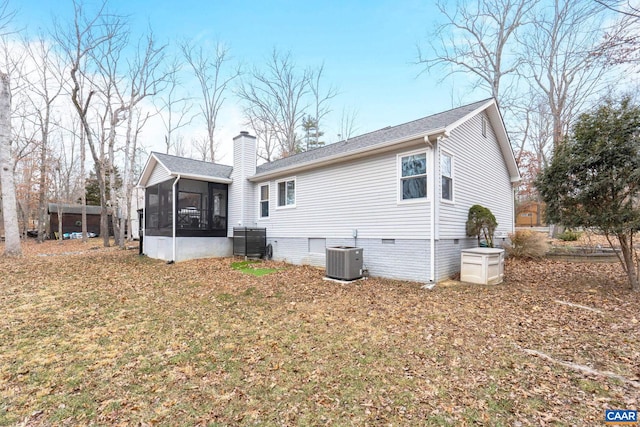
(344, 263)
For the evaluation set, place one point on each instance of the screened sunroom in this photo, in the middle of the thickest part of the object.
(200, 208)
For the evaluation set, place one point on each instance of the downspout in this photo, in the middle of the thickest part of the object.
(432, 211)
(174, 197)
(432, 214)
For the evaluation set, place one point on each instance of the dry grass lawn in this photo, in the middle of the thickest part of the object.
(94, 336)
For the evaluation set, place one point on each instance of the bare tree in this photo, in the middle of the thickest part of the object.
(133, 131)
(210, 71)
(108, 58)
(123, 91)
(201, 147)
(621, 41)
(174, 109)
(348, 126)
(561, 59)
(9, 206)
(533, 127)
(44, 87)
(67, 185)
(477, 39)
(266, 138)
(320, 103)
(275, 98)
(624, 7)
(86, 35)
(179, 148)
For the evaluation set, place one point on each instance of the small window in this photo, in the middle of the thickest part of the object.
(446, 170)
(264, 201)
(413, 176)
(287, 193)
(484, 126)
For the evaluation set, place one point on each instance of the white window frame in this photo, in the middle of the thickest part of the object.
(295, 195)
(452, 177)
(260, 200)
(428, 176)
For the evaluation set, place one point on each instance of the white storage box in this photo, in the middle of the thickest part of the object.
(484, 266)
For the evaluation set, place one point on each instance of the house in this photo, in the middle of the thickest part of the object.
(529, 214)
(402, 193)
(72, 219)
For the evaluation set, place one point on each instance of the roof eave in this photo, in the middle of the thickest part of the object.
(148, 168)
(343, 157)
(214, 179)
(503, 141)
(501, 133)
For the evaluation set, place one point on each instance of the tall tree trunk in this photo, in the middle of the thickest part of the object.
(9, 206)
(42, 194)
(60, 226)
(83, 198)
(629, 261)
(113, 194)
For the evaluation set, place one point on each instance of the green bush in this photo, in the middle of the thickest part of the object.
(569, 236)
(481, 224)
(526, 244)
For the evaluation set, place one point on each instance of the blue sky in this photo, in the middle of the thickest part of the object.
(367, 47)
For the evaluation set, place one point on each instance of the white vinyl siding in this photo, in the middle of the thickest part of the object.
(362, 195)
(481, 177)
(263, 203)
(448, 256)
(158, 175)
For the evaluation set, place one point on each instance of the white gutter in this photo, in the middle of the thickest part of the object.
(175, 216)
(205, 178)
(432, 214)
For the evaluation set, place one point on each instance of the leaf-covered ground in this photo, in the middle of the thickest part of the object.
(93, 336)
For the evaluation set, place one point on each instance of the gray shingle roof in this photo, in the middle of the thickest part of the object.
(182, 165)
(75, 209)
(391, 133)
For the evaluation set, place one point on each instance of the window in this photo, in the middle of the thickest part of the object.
(287, 193)
(446, 170)
(264, 201)
(484, 126)
(413, 176)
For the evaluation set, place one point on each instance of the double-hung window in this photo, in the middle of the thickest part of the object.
(446, 171)
(264, 201)
(287, 193)
(413, 176)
